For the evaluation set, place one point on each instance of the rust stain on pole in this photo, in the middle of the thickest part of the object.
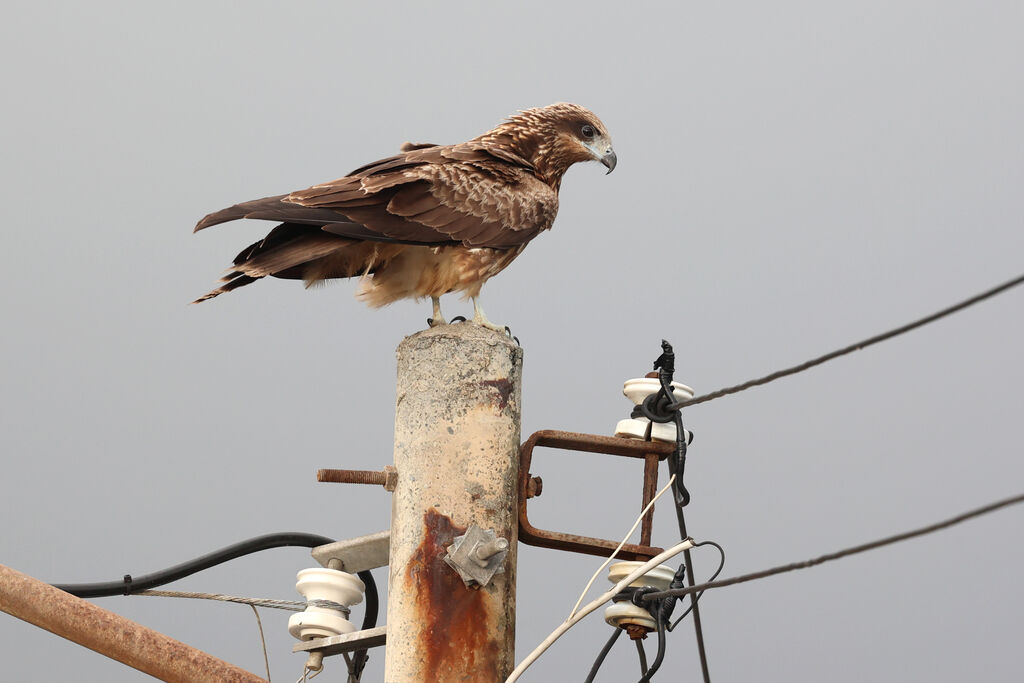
(460, 627)
(111, 634)
(504, 389)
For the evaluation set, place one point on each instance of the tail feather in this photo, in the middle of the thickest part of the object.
(233, 213)
(302, 252)
(233, 281)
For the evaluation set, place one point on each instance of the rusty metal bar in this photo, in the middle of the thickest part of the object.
(596, 443)
(110, 634)
(456, 450)
(650, 490)
(650, 451)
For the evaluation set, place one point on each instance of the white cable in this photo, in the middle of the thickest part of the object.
(612, 556)
(590, 607)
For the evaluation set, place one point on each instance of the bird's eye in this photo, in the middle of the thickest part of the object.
(587, 131)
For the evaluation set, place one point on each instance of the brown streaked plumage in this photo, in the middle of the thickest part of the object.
(431, 220)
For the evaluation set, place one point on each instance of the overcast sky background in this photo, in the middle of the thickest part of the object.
(793, 176)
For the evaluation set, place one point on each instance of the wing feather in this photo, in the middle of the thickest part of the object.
(429, 195)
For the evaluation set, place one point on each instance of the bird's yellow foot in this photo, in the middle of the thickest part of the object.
(481, 319)
(438, 319)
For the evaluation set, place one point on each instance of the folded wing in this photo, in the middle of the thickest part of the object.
(429, 195)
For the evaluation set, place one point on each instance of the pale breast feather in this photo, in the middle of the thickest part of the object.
(511, 210)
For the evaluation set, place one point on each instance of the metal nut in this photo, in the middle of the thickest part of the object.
(390, 477)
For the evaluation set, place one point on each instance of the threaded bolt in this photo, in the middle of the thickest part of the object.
(388, 477)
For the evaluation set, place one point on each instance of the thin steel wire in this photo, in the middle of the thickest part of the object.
(852, 347)
(938, 526)
(259, 622)
(292, 605)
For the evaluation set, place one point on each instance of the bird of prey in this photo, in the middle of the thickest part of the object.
(431, 220)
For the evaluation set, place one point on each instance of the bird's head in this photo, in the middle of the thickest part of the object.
(555, 137)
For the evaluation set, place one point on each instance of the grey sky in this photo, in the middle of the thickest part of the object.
(792, 176)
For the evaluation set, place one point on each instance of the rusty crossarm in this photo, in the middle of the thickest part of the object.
(111, 634)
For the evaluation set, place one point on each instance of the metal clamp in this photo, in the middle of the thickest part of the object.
(477, 555)
(651, 452)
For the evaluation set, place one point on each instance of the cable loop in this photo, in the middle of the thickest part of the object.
(655, 408)
(638, 593)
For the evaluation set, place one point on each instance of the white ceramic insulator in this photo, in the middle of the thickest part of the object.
(321, 583)
(621, 614)
(636, 390)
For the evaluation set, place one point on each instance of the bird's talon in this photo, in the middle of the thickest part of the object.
(431, 322)
(500, 329)
(458, 319)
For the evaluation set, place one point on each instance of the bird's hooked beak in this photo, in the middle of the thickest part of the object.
(601, 150)
(609, 159)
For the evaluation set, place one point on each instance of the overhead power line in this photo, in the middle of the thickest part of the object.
(999, 289)
(938, 526)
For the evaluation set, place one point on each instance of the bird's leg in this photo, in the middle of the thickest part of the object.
(438, 319)
(480, 319)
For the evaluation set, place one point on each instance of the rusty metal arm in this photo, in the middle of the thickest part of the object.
(651, 452)
(111, 634)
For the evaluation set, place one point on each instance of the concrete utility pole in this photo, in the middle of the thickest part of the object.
(457, 454)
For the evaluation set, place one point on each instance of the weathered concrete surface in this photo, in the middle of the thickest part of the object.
(457, 454)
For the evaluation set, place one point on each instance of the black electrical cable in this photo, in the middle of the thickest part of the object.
(656, 664)
(721, 565)
(661, 409)
(601, 656)
(360, 657)
(129, 584)
(643, 655)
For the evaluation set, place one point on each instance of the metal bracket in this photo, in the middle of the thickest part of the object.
(356, 554)
(346, 642)
(651, 452)
(477, 556)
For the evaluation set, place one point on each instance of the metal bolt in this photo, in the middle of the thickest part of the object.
(534, 487)
(388, 477)
(636, 631)
(315, 661)
(477, 555)
(486, 550)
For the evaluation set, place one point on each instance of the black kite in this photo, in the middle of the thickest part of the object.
(431, 220)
